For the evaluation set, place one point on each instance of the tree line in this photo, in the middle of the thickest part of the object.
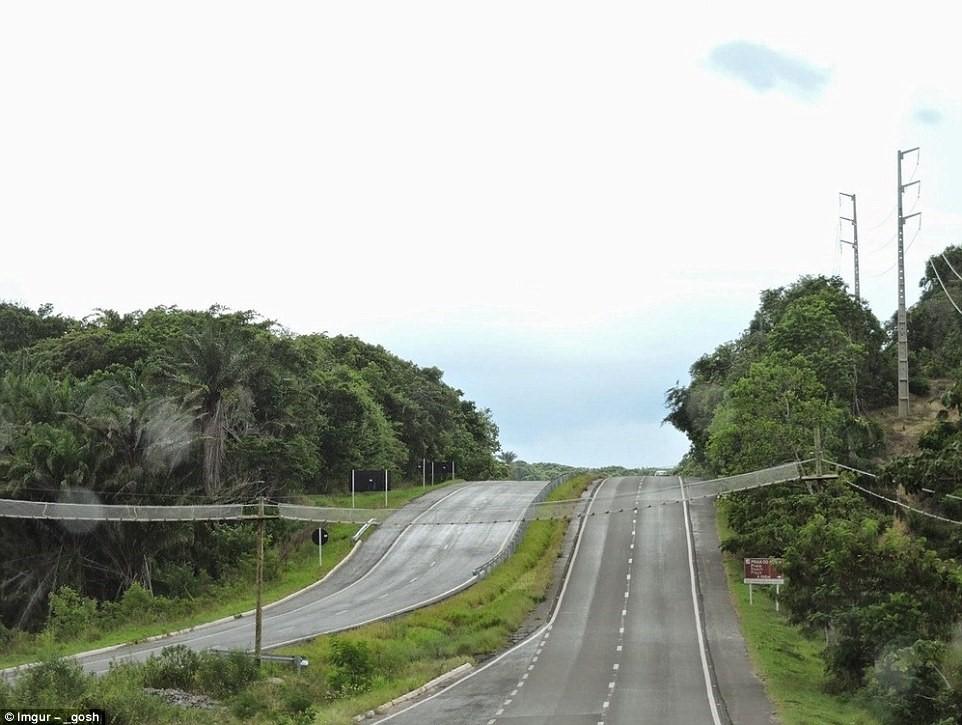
(177, 406)
(882, 586)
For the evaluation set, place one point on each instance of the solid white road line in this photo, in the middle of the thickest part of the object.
(537, 633)
(694, 600)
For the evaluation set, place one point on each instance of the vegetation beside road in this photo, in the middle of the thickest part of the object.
(349, 673)
(881, 589)
(787, 659)
(176, 407)
(79, 623)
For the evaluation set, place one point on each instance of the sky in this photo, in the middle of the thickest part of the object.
(560, 204)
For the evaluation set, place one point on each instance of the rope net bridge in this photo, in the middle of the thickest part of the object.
(661, 490)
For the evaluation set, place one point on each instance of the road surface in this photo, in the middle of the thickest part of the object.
(391, 572)
(625, 644)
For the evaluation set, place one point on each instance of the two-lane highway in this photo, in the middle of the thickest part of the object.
(625, 644)
(434, 555)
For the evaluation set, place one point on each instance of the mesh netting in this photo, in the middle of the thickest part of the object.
(755, 479)
(537, 509)
(101, 512)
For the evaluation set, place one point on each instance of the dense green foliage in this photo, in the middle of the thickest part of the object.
(170, 406)
(880, 596)
(886, 594)
(811, 357)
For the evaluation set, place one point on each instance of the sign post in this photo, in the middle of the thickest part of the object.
(319, 536)
(763, 571)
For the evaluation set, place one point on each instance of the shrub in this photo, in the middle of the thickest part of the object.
(224, 675)
(72, 615)
(352, 667)
(53, 683)
(176, 668)
(120, 693)
(908, 683)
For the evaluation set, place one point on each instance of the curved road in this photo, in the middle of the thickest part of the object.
(624, 645)
(392, 572)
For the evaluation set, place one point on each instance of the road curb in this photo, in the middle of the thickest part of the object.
(438, 681)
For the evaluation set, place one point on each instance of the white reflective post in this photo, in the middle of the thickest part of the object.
(352, 488)
(385, 488)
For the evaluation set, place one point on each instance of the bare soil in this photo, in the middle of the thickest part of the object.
(902, 434)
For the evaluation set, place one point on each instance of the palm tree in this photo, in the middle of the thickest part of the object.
(218, 366)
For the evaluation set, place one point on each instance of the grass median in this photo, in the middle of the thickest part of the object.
(788, 659)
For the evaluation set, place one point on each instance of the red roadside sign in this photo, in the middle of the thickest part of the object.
(762, 571)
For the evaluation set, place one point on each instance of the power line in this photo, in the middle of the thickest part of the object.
(950, 266)
(939, 278)
(886, 498)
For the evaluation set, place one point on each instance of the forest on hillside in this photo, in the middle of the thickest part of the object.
(176, 406)
(880, 585)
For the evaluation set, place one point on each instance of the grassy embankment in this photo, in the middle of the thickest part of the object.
(405, 652)
(296, 570)
(787, 658)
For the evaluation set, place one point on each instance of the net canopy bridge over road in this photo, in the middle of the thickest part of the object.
(538, 510)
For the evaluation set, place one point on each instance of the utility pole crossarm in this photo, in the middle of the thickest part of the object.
(853, 220)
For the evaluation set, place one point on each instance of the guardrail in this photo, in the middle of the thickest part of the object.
(297, 661)
(528, 515)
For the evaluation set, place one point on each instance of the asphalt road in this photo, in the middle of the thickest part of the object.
(418, 556)
(624, 643)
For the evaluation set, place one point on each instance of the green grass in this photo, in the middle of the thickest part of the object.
(298, 571)
(786, 658)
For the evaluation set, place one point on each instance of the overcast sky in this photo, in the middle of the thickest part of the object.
(560, 204)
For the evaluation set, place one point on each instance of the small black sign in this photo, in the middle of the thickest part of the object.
(371, 480)
(319, 536)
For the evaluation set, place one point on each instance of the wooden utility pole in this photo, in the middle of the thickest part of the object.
(259, 615)
(820, 474)
(901, 321)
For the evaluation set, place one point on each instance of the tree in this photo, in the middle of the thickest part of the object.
(769, 416)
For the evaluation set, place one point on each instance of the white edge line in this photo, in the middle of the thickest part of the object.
(694, 601)
(534, 635)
